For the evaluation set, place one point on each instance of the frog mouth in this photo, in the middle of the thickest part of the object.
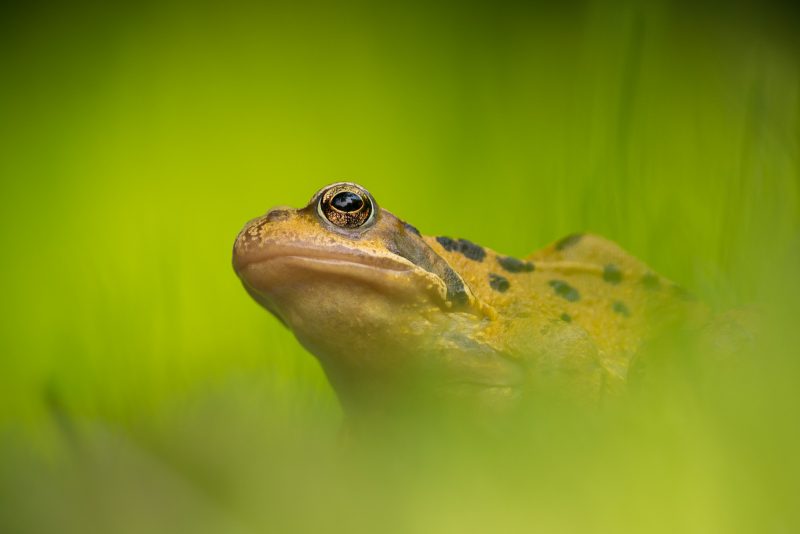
(281, 266)
(339, 256)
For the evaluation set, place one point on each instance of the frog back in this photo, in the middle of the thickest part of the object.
(582, 300)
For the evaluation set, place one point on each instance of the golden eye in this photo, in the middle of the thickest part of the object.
(346, 206)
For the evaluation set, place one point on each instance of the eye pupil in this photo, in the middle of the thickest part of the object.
(347, 202)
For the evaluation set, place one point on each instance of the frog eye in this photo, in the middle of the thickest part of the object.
(346, 205)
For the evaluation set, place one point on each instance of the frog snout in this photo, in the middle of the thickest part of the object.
(251, 240)
(252, 232)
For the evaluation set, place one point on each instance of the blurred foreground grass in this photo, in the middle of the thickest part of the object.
(142, 391)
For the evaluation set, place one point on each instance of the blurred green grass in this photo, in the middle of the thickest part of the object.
(136, 140)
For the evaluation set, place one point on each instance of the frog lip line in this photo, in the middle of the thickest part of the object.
(323, 256)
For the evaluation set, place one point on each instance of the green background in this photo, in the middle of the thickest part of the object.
(141, 389)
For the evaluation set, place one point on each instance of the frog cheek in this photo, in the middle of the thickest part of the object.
(409, 245)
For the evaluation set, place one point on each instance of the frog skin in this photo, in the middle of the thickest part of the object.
(394, 315)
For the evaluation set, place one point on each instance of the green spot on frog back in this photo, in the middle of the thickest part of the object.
(513, 265)
(620, 308)
(612, 274)
(565, 290)
(569, 241)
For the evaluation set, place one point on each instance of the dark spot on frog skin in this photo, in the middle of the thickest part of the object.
(498, 283)
(447, 243)
(275, 215)
(612, 274)
(620, 308)
(411, 229)
(467, 248)
(650, 281)
(472, 251)
(566, 317)
(569, 241)
(565, 290)
(513, 265)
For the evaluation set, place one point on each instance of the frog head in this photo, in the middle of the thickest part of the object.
(367, 294)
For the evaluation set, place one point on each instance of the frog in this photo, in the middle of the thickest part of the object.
(393, 315)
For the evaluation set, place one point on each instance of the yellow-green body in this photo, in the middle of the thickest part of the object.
(392, 314)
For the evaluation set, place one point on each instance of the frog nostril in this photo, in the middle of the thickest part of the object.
(275, 215)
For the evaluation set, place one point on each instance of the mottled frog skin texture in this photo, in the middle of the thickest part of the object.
(393, 315)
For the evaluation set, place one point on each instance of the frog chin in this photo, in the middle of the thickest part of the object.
(370, 324)
(304, 289)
